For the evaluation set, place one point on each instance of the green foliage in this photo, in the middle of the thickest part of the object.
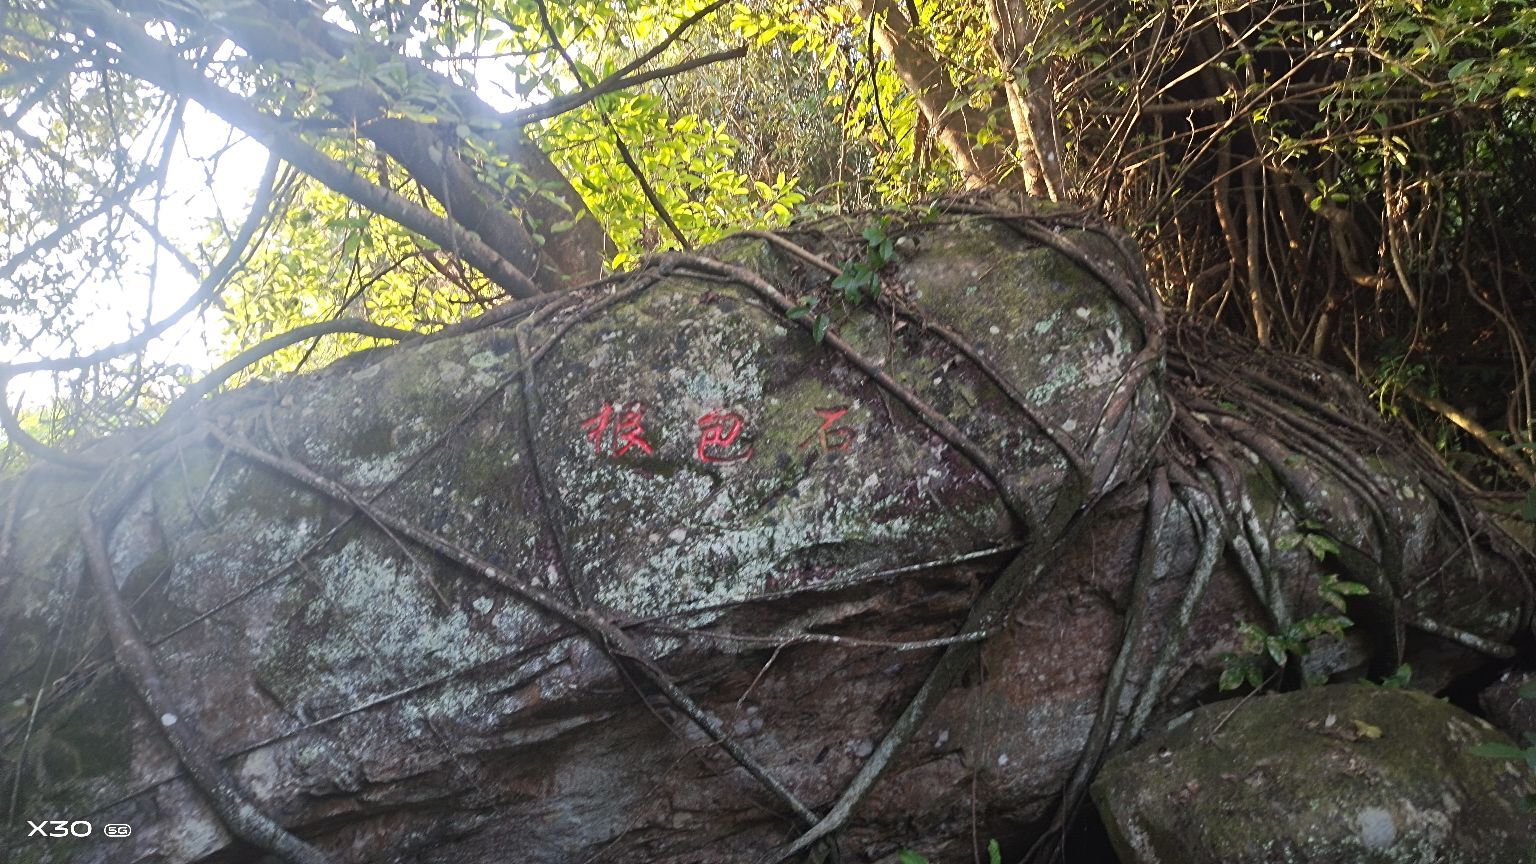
(1476, 49)
(331, 257)
(994, 855)
(1311, 535)
(1248, 664)
(859, 281)
(860, 278)
(873, 155)
(1396, 185)
(80, 143)
(1399, 679)
(688, 161)
(1395, 369)
(819, 323)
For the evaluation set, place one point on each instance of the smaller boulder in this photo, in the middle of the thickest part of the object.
(1349, 774)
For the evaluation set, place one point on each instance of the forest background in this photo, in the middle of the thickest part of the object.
(1354, 181)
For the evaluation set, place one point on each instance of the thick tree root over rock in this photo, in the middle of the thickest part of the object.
(717, 561)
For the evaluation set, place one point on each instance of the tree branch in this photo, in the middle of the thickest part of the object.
(618, 139)
(273, 344)
(562, 104)
(224, 794)
(151, 61)
(42, 244)
(206, 291)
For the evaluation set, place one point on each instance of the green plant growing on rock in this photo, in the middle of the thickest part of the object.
(859, 280)
(994, 855)
(1399, 678)
(861, 277)
(1247, 665)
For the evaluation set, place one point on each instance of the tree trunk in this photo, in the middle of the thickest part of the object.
(954, 121)
(1014, 32)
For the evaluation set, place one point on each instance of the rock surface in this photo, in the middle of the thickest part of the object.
(700, 471)
(1331, 775)
(1502, 704)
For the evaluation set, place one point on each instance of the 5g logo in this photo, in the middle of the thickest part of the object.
(77, 828)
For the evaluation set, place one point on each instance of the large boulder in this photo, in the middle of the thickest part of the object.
(376, 592)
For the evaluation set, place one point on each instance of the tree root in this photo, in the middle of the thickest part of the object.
(599, 630)
(223, 792)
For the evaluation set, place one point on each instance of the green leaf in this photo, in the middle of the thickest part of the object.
(907, 856)
(1231, 678)
(1497, 750)
(1253, 636)
(1398, 679)
(994, 853)
(819, 328)
(1320, 546)
(887, 249)
(1527, 690)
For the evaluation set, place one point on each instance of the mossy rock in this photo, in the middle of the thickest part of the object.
(1332, 775)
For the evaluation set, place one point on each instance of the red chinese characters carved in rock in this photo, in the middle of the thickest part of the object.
(627, 434)
(830, 437)
(718, 434)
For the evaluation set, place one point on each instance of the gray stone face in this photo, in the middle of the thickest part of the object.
(1331, 775)
(348, 675)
